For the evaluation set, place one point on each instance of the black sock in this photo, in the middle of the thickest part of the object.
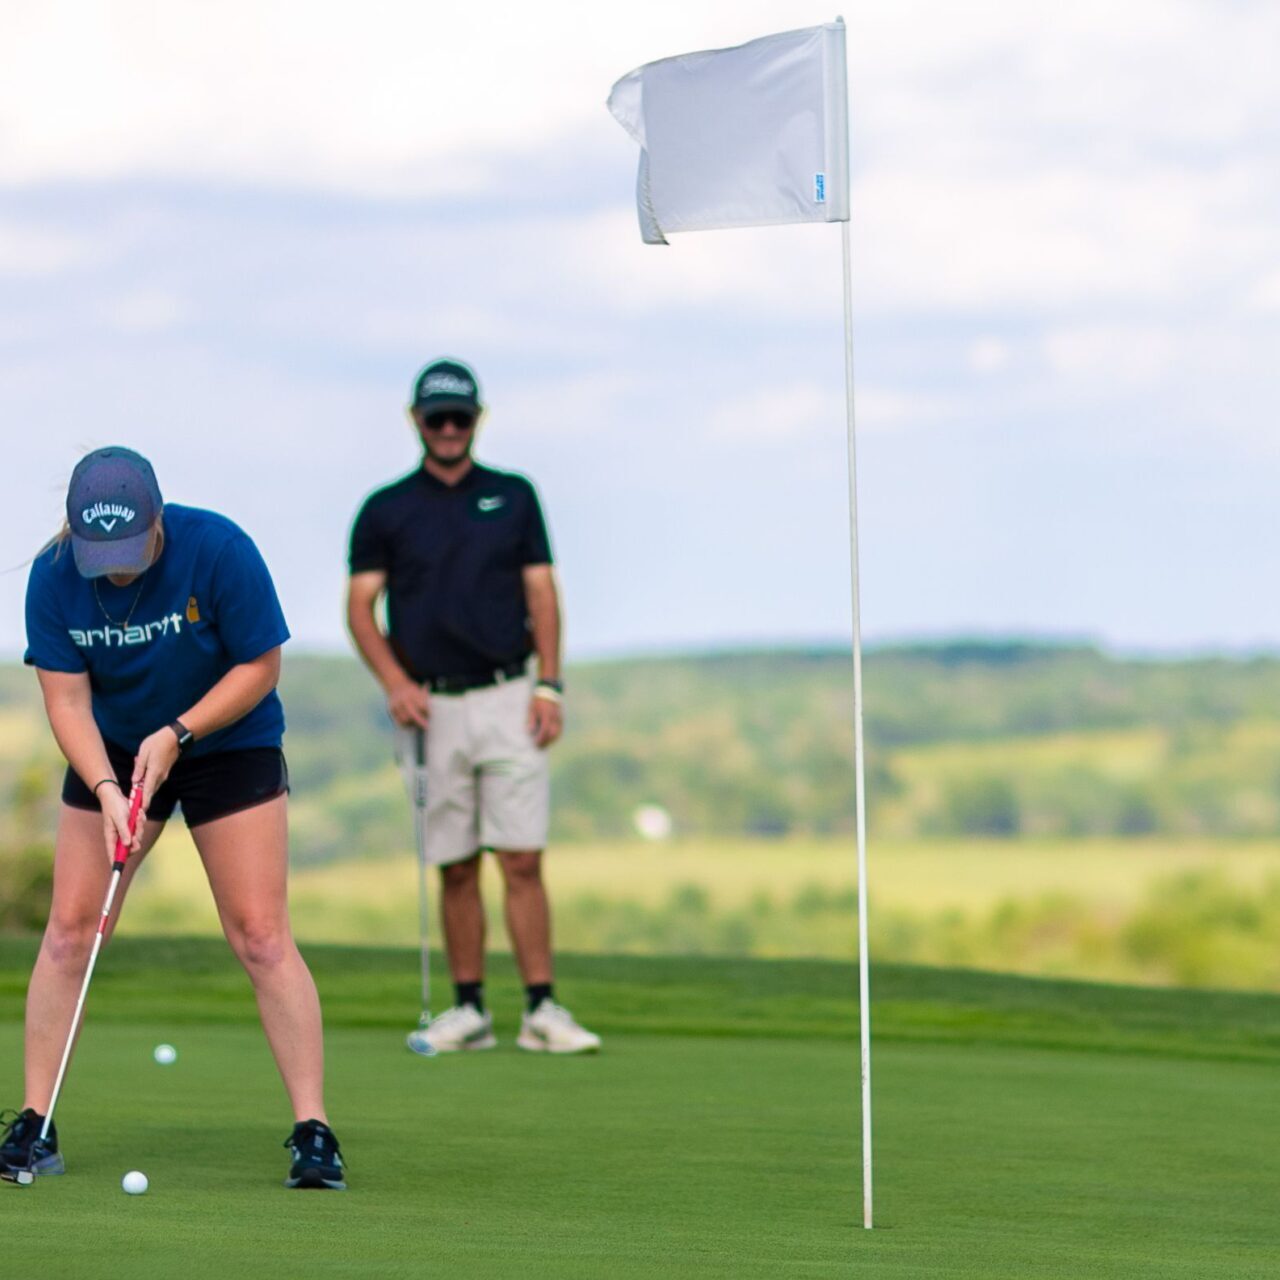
(537, 993)
(469, 993)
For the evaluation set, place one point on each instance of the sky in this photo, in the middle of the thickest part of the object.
(230, 235)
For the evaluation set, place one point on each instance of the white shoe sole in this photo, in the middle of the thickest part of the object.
(466, 1046)
(533, 1044)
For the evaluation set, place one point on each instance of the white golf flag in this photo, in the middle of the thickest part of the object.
(744, 137)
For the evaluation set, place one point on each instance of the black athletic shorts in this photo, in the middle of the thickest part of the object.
(207, 787)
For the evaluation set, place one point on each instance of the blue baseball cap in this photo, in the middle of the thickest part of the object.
(112, 502)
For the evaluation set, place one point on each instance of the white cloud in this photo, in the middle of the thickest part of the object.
(144, 311)
(989, 355)
(391, 97)
(778, 414)
(573, 404)
(1266, 294)
(411, 98)
(33, 251)
(1052, 236)
(1005, 155)
(805, 410)
(886, 409)
(246, 224)
(1112, 355)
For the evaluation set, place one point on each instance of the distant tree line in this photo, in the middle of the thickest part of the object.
(968, 738)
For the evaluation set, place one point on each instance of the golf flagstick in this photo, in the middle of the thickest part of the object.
(418, 1043)
(117, 867)
(859, 766)
(729, 138)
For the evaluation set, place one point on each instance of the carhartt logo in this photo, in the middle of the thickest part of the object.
(490, 504)
(107, 514)
(193, 610)
(122, 636)
(448, 384)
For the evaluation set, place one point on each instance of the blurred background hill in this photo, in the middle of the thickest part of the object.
(1041, 807)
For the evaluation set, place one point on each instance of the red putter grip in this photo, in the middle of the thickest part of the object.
(135, 807)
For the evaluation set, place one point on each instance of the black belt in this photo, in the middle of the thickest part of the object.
(461, 684)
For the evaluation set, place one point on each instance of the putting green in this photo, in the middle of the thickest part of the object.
(1024, 1129)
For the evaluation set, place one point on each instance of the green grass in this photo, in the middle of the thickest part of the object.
(1024, 1128)
(1187, 913)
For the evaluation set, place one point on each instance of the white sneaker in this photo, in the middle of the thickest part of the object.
(551, 1028)
(462, 1027)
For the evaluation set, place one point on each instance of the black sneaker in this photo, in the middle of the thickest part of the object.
(21, 1148)
(317, 1159)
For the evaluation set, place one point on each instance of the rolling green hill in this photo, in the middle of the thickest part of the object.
(965, 739)
(1041, 809)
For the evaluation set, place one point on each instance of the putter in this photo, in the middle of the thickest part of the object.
(416, 1041)
(25, 1177)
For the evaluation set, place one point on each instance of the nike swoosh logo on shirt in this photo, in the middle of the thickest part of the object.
(490, 504)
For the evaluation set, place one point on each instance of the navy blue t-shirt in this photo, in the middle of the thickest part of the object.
(155, 647)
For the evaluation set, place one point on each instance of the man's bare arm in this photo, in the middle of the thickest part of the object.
(542, 598)
(406, 699)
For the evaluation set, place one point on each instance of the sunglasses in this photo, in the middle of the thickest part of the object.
(460, 418)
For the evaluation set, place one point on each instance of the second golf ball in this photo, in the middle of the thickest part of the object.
(166, 1054)
(134, 1183)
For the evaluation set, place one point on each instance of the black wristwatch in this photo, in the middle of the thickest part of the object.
(184, 735)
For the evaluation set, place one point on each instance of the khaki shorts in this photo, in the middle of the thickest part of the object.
(488, 785)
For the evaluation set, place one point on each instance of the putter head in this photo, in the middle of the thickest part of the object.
(417, 1040)
(18, 1177)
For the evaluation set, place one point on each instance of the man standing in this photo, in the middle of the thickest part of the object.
(461, 554)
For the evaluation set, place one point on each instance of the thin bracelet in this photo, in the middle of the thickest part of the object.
(113, 782)
(547, 692)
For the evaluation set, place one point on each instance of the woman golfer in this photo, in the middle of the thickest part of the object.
(156, 632)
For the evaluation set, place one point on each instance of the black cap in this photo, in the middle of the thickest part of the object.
(446, 384)
(112, 502)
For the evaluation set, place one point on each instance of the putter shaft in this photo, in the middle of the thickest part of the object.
(117, 867)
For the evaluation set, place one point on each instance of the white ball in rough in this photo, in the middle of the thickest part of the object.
(166, 1054)
(134, 1183)
(652, 822)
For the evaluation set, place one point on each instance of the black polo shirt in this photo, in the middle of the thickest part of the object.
(453, 556)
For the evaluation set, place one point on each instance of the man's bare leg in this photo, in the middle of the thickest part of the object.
(546, 1027)
(528, 914)
(462, 915)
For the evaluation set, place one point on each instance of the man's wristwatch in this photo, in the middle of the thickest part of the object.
(184, 735)
(556, 686)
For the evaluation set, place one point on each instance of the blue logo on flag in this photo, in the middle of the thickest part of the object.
(819, 188)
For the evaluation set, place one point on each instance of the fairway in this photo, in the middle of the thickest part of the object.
(1025, 1129)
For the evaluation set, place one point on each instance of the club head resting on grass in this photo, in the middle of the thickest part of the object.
(417, 1040)
(17, 1177)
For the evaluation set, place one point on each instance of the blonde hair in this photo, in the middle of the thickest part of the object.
(60, 540)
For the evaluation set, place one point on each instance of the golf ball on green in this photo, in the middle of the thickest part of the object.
(134, 1183)
(166, 1054)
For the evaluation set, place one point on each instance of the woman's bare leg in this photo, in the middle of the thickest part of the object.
(80, 873)
(246, 857)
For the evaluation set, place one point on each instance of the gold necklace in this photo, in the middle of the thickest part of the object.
(128, 617)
